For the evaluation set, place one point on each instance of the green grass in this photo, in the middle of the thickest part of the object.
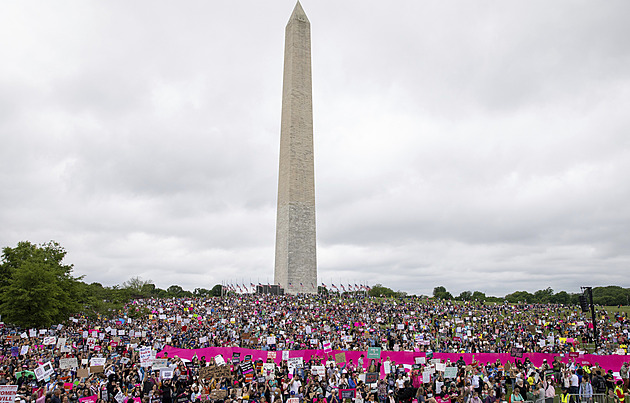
(614, 309)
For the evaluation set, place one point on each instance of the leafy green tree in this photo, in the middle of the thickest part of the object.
(465, 296)
(380, 291)
(441, 293)
(520, 296)
(478, 296)
(216, 290)
(135, 287)
(37, 289)
(543, 296)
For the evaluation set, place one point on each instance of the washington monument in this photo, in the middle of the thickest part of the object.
(296, 260)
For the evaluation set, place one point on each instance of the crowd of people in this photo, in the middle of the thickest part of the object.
(101, 359)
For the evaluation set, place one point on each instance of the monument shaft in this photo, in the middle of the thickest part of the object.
(296, 261)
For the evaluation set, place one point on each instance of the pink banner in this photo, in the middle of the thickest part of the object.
(607, 362)
(89, 399)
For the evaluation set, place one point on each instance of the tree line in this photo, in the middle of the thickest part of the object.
(37, 288)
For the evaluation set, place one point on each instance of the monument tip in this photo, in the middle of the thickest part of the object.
(298, 13)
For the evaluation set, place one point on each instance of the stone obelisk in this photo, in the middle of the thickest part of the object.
(296, 260)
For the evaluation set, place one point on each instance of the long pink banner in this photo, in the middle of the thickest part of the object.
(606, 362)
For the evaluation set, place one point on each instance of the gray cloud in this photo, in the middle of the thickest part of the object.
(479, 146)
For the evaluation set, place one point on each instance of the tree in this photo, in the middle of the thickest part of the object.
(175, 291)
(136, 286)
(478, 296)
(37, 289)
(543, 296)
(520, 296)
(441, 293)
(380, 291)
(216, 290)
(465, 296)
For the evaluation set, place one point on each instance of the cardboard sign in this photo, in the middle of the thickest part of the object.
(340, 358)
(215, 372)
(218, 394)
(205, 373)
(83, 373)
(374, 353)
(96, 369)
(97, 362)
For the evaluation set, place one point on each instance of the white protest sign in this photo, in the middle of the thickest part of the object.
(7, 393)
(24, 350)
(295, 363)
(49, 341)
(44, 371)
(166, 373)
(387, 367)
(68, 363)
(450, 372)
(218, 359)
(285, 355)
(145, 356)
(269, 370)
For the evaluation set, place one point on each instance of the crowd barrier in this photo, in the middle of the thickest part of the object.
(606, 362)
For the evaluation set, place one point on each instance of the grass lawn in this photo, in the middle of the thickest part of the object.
(614, 309)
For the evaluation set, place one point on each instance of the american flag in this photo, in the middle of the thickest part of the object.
(343, 288)
(334, 286)
(324, 285)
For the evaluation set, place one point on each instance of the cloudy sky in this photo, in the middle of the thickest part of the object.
(477, 145)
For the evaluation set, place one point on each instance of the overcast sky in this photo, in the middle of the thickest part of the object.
(477, 145)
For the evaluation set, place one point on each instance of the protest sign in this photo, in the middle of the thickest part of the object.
(44, 371)
(340, 358)
(269, 370)
(89, 399)
(218, 359)
(347, 393)
(516, 352)
(96, 369)
(97, 361)
(7, 393)
(83, 373)
(68, 363)
(374, 352)
(158, 363)
(145, 356)
(166, 373)
(450, 372)
(217, 394)
(371, 377)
